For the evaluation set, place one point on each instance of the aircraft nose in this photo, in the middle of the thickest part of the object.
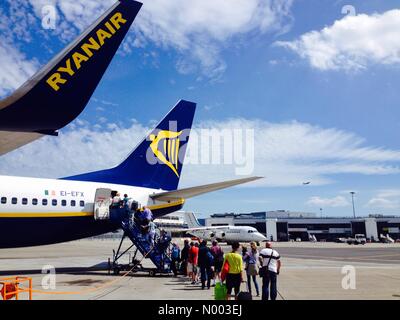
(261, 237)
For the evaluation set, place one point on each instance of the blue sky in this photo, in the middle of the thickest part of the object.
(318, 87)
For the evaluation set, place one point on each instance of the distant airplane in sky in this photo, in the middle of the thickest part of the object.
(305, 183)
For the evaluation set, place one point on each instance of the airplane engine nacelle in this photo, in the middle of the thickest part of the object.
(220, 235)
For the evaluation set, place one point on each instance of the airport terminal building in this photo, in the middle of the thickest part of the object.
(284, 225)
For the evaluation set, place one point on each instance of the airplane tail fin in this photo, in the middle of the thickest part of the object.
(191, 220)
(157, 161)
(59, 92)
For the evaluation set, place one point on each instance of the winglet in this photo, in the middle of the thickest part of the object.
(59, 92)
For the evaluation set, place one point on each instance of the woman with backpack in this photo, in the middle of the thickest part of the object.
(218, 254)
(175, 257)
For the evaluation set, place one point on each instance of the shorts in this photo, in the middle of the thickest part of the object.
(191, 267)
(233, 281)
(218, 266)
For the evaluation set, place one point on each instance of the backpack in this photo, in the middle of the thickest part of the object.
(210, 258)
(175, 253)
(218, 254)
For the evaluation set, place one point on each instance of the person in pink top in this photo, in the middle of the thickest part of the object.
(218, 254)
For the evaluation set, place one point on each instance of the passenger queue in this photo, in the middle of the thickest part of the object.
(210, 266)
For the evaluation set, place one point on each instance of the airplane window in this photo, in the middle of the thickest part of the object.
(14, 200)
(63, 203)
(35, 202)
(73, 203)
(44, 202)
(24, 201)
(3, 200)
(54, 202)
(82, 203)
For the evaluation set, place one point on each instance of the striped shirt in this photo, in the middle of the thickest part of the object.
(266, 254)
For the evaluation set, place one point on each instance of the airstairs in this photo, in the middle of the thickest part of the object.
(155, 247)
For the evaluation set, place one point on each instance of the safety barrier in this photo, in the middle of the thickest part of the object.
(11, 287)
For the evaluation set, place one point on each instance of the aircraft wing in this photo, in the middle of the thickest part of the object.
(10, 140)
(195, 191)
(204, 228)
(191, 231)
(59, 92)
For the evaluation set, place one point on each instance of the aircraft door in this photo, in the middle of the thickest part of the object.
(102, 202)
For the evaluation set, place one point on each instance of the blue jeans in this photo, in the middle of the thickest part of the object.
(269, 281)
(255, 283)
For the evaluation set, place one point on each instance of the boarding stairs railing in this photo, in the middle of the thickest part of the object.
(157, 249)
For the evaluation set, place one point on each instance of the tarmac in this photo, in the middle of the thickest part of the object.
(332, 271)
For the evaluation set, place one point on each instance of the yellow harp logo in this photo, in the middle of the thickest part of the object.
(169, 143)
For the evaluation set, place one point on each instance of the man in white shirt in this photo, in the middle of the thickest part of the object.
(116, 200)
(271, 264)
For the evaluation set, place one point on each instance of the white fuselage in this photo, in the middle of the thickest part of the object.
(46, 211)
(27, 196)
(228, 234)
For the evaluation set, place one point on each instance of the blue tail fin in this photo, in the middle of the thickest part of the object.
(157, 161)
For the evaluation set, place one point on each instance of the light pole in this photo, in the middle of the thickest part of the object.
(320, 210)
(352, 200)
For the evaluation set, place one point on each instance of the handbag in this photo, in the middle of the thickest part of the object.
(251, 269)
(263, 272)
(220, 291)
(225, 270)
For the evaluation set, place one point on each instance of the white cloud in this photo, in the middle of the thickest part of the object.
(385, 199)
(16, 21)
(335, 202)
(286, 154)
(383, 203)
(198, 30)
(15, 68)
(104, 102)
(201, 28)
(352, 43)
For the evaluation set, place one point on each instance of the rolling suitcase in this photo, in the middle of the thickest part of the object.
(243, 295)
